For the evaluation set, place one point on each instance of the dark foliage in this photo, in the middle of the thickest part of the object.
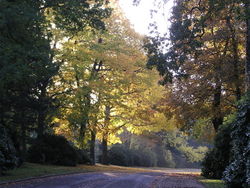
(136, 158)
(218, 158)
(53, 149)
(119, 155)
(8, 159)
(237, 174)
(83, 157)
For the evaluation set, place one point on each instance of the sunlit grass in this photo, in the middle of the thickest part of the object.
(211, 183)
(28, 170)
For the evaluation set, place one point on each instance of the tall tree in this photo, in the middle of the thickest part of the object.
(27, 56)
(199, 60)
(120, 94)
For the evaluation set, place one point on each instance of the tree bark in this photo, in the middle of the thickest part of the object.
(92, 147)
(235, 58)
(41, 123)
(105, 160)
(247, 64)
(42, 110)
(105, 135)
(23, 141)
(82, 130)
(217, 115)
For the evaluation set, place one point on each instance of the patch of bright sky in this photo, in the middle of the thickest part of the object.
(140, 16)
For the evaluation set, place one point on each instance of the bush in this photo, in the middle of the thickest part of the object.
(52, 149)
(148, 158)
(120, 155)
(83, 157)
(237, 174)
(217, 159)
(169, 159)
(8, 159)
(135, 158)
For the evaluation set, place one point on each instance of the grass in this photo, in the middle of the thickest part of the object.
(28, 170)
(212, 183)
(34, 170)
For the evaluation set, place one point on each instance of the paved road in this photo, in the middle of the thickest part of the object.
(113, 180)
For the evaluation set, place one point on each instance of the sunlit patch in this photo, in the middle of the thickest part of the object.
(141, 15)
(110, 174)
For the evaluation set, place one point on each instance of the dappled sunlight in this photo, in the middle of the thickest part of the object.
(125, 93)
(213, 183)
(110, 174)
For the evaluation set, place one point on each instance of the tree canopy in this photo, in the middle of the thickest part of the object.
(75, 73)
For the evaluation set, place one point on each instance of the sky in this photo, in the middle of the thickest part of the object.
(140, 16)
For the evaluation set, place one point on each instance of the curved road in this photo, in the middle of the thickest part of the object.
(157, 179)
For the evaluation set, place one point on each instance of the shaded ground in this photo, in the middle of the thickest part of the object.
(157, 178)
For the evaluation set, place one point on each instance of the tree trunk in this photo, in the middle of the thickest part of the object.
(235, 59)
(105, 160)
(82, 132)
(42, 110)
(217, 115)
(105, 135)
(23, 141)
(41, 123)
(85, 108)
(247, 65)
(92, 147)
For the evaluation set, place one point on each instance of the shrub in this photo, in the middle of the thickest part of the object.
(52, 149)
(148, 158)
(217, 159)
(119, 155)
(237, 174)
(83, 157)
(135, 158)
(8, 159)
(169, 159)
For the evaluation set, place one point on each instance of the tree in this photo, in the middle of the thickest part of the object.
(28, 58)
(199, 61)
(119, 93)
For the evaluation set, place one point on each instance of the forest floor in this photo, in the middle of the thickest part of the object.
(101, 176)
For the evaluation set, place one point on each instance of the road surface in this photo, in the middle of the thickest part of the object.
(154, 179)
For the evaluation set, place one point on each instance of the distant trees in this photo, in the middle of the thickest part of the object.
(165, 149)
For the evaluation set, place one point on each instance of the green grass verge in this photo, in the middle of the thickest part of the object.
(211, 183)
(28, 170)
